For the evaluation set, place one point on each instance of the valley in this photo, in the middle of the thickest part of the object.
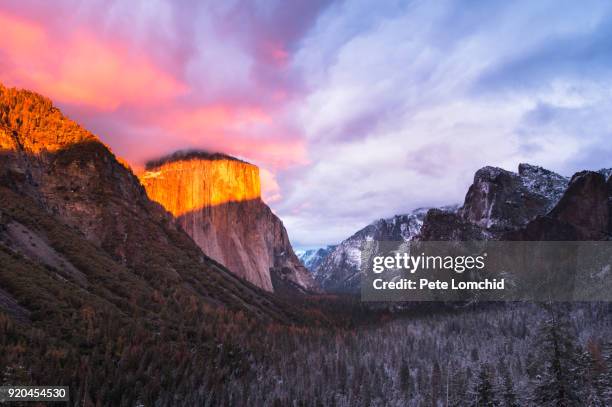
(179, 286)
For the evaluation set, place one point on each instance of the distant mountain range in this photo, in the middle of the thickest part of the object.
(532, 204)
(339, 271)
(312, 258)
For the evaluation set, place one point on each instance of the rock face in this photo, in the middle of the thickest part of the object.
(340, 270)
(582, 213)
(533, 204)
(64, 167)
(500, 200)
(439, 225)
(312, 258)
(217, 200)
(498, 203)
(585, 205)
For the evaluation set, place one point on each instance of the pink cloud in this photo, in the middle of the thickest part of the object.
(149, 80)
(82, 70)
(270, 190)
(257, 136)
(216, 118)
(275, 53)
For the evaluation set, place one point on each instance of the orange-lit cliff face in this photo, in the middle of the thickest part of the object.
(189, 185)
(217, 201)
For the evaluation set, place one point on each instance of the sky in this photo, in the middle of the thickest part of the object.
(353, 110)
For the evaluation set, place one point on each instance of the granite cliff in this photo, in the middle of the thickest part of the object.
(216, 199)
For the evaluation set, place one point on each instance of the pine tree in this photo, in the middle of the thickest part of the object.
(508, 395)
(594, 376)
(483, 390)
(436, 378)
(404, 379)
(557, 381)
(607, 376)
(458, 390)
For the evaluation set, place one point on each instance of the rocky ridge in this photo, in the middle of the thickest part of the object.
(500, 200)
(340, 270)
(312, 258)
(533, 204)
(583, 212)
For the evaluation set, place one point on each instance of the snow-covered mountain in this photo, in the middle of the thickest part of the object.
(501, 200)
(312, 258)
(531, 204)
(606, 172)
(340, 270)
(497, 203)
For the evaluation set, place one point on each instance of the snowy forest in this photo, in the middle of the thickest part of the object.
(486, 355)
(508, 355)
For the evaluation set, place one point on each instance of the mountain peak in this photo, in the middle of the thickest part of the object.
(606, 172)
(501, 200)
(525, 169)
(339, 270)
(34, 125)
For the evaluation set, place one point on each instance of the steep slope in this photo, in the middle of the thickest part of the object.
(444, 226)
(533, 204)
(340, 270)
(500, 200)
(497, 202)
(100, 291)
(68, 174)
(216, 199)
(312, 258)
(582, 213)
